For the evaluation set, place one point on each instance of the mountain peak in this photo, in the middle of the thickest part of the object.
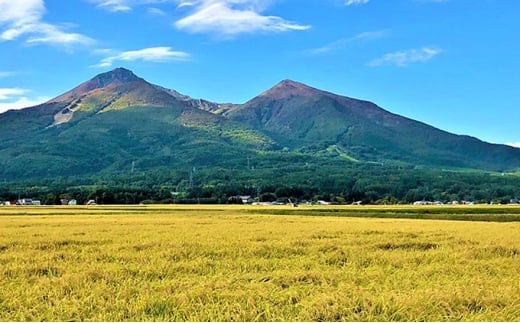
(290, 84)
(287, 88)
(119, 76)
(115, 77)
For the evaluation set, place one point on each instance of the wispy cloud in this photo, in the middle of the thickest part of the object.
(185, 4)
(355, 2)
(222, 18)
(15, 98)
(514, 144)
(156, 11)
(407, 57)
(341, 43)
(124, 5)
(115, 5)
(4, 74)
(7, 93)
(25, 18)
(22, 102)
(228, 18)
(152, 54)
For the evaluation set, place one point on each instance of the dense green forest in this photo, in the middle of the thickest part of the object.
(119, 139)
(302, 182)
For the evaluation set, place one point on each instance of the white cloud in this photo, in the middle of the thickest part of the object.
(513, 144)
(355, 2)
(370, 35)
(7, 93)
(22, 102)
(232, 17)
(114, 5)
(156, 11)
(225, 18)
(50, 34)
(407, 57)
(6, 74)
(14, 98)
(185, 4)
(339, 44)
(19, 18)
(124, 5)
(152, 54)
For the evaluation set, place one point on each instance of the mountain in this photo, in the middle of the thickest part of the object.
(118, 122)
(115, 90)
(310, 120)
(111, 122)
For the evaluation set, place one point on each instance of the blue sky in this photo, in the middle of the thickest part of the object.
(453, 64)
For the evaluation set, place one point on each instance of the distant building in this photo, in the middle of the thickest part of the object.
(422, 203)
(25, 201)
(247, 199)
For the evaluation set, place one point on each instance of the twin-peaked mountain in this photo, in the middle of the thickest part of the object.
(117, 119)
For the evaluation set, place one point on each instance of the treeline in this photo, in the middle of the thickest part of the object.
(368, 183)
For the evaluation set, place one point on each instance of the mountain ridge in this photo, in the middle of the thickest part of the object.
(115, 77)
(117, 118)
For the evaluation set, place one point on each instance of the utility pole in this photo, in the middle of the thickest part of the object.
(191, 177)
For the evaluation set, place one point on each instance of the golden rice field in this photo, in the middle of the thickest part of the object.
(218, 263)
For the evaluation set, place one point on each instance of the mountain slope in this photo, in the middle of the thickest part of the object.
(111, 122)
(117, 121)
(115, 90)
(311, 120)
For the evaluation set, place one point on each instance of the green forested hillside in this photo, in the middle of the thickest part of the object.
(312, 120)
(119, 132)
